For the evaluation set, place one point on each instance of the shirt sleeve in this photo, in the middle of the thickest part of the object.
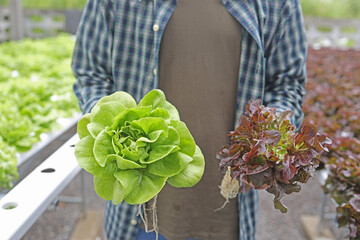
(91, 62)
(286, 63)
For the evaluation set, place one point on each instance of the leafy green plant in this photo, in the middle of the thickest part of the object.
(36, 90)
(266, 153)
(8, 169)
(50, 4)
(134, 149)
(331, 8)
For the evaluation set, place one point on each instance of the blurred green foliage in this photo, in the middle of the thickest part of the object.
(331, 8)
(36, 90)
(316, 8)
(50, 4)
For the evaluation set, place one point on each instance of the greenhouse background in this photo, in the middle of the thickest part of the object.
(38, 115)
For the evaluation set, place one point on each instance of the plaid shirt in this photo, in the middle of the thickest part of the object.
(117, 48)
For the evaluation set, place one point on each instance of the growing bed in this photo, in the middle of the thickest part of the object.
(38, 113)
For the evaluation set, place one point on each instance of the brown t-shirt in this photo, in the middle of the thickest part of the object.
(198, 71)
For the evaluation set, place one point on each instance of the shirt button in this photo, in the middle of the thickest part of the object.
(156, 27)
(133, 222)
(155, 71)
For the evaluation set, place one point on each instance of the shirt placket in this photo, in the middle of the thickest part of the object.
(162, 10)
(155, 29)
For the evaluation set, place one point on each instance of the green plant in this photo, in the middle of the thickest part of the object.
(134, 149)
(8, 169)
(52, 4)
(36, 90)
(49, 4)
(331, 8)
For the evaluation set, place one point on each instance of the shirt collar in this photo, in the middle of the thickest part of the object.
(246, 13)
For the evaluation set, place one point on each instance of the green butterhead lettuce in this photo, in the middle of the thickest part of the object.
(134, 149)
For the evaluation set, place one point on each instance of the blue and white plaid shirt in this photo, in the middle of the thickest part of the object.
(117, 48)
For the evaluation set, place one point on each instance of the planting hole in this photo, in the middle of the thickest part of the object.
(48, 170)
(9, 205)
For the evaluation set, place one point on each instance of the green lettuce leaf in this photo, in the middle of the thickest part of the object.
(192, 174)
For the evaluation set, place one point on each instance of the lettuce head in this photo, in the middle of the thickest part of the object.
(134, 149)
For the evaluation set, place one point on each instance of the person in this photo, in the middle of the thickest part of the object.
(210, 57)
